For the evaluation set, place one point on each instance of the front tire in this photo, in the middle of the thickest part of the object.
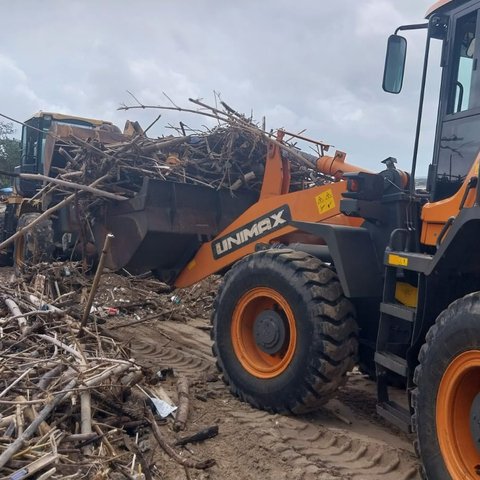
(284, 334)
(36, 245)
(5, 255)
(447, 397)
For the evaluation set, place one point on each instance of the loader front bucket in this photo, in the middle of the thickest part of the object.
(163, 226)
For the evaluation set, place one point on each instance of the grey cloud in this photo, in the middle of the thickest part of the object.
(304, 64)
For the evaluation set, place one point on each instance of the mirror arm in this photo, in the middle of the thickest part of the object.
(416, 26)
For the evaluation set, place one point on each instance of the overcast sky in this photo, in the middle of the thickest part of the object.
(304, 64)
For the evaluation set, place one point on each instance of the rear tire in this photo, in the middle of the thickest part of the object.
(5, 255)
(36, 245)
(284, 334)
(447, 396)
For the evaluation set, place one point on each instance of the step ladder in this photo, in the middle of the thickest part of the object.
(391, 355)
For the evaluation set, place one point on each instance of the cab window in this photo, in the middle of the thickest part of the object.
(464, 58)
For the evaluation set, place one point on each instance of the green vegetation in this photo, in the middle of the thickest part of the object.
(10, 152)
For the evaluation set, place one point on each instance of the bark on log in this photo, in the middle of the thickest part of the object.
(167, 448)
(17, 313)
(35, 466)
(181, 415)
(72, 185)
(31, 414)
(204, 434)
(96, 281)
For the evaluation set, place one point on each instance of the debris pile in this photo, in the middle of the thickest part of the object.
(72, 402)
(228, 156)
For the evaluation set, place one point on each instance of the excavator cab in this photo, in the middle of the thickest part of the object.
(34, 140)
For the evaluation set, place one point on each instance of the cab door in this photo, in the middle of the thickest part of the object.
(458, 129)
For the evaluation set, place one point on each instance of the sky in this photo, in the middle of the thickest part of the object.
(311, 65)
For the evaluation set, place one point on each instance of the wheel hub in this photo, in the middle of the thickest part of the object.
(269, 331)
(475, 421)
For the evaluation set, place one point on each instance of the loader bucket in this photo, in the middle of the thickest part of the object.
(164, 225)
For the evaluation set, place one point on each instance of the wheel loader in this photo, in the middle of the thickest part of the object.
(44, 135)
(367, 270)
(371, 271)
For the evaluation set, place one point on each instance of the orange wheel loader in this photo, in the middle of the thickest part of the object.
(368, 270)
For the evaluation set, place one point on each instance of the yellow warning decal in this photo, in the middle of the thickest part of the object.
(192, 265)
(397, 260)
(325, 201)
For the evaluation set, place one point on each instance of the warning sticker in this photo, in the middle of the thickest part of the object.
(325, 201)
(397, 260)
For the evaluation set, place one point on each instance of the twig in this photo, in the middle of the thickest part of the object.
(24, 374)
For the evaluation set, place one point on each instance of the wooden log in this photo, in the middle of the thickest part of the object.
(72, 185)
(5, 421)
(96, 281)
(165, 144)
(107, 373)
(204, 434)
(17, 313)
(31, 414)
(49, 376)
(19, 420)
(80, 437)
(47, 474)
(102, 435)
(242, 181)
(86, 416)
(181, 415)
(167, 448)
(39, 284)
(35, 466)
(60, 344)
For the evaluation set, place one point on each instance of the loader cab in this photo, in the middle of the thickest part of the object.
(34, 138)
(457, 136)
(457, 24)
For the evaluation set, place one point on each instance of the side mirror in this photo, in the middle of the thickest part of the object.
(395, 64)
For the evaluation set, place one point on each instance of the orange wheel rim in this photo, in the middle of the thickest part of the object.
(280, 329)
(458, 425)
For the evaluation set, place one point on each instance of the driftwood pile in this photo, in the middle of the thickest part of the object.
(72, 402)
(229, 156)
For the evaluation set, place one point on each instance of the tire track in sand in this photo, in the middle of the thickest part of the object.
(311, 450)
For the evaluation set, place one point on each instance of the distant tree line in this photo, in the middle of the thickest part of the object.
(10, 151)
